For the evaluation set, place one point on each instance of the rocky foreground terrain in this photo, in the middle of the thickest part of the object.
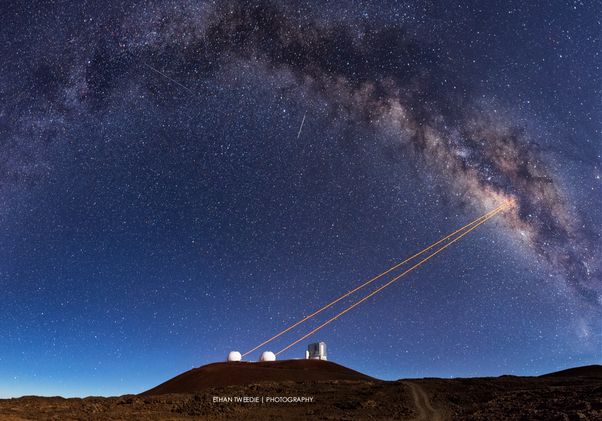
(574, 395)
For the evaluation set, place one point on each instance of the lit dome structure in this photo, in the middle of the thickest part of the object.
(267, 356)
(234, 356)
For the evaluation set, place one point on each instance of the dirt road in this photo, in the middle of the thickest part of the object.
(424, 408)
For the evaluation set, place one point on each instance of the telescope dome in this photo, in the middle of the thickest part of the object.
(268, 356)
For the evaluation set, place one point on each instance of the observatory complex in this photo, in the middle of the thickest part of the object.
(315, 351)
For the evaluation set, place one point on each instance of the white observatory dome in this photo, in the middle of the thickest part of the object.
(268, 356)
(234, 356)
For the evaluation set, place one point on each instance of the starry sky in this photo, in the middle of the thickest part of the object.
(160, 206)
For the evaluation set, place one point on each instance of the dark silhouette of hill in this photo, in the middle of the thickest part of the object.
(585, 371)
(243, 373)
(337, 393)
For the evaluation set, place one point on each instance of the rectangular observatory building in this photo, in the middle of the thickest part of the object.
(316, 351)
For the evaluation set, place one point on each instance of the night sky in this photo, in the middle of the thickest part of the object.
(159, 205)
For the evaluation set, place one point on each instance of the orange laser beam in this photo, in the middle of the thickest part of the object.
(499, 209)
(373, 280)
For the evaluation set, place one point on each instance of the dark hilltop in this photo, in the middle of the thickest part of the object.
(333, 392)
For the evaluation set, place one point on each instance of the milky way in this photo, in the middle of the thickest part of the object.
(488, 158)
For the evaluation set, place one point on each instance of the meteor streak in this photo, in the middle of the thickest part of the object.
(315, 313)
(301, 127)
(376, 291)
(168, 78)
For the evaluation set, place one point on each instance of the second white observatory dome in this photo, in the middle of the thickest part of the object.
(267, 356)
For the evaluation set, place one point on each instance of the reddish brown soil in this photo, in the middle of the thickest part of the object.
(575, 394)
(241, 373)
